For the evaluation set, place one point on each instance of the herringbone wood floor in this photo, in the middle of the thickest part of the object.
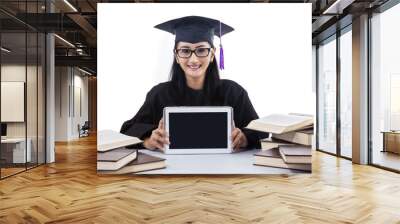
(69, 191)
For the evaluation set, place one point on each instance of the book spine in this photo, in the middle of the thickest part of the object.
(295, 137)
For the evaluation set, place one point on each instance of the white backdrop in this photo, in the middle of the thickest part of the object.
(269, 54)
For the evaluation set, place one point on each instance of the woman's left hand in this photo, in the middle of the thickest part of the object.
(239, 139)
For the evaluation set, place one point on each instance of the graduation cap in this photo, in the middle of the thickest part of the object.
(194, 29)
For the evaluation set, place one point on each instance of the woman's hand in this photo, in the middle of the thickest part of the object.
(239, 139)
(158, 138)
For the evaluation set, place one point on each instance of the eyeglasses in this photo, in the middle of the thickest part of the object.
(187, 53)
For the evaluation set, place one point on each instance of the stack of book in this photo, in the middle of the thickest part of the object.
(113, 156)
(290, 144)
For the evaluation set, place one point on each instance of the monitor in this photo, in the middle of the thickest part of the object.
(198, 130)
(3, 129)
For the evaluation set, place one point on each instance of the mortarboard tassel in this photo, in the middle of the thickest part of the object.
(221, 50)
(221, 57)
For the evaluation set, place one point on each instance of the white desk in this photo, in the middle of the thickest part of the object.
(235, 163)
(19, 149)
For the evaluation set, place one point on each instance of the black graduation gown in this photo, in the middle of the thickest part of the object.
(229, 93)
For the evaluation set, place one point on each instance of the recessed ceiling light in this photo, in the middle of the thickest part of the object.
(64, 40)
(84, 71)
(338, 6)
(70, 5)
(5, 50)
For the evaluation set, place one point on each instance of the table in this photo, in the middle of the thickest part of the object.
(18, 149)
(391, 141)
(235, 163)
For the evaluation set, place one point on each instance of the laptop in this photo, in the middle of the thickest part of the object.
(198, 130)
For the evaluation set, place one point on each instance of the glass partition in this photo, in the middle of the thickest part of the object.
(327, 95)
(14, 153)
(31, 100)
(41, 91)
(22, 77)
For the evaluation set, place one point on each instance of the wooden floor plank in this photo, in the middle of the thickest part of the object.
(70, 191)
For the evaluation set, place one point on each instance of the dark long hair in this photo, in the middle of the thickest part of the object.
(211, 80)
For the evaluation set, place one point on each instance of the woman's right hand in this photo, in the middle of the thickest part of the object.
(158, 138)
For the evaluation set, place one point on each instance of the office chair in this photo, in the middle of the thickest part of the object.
(84, 130)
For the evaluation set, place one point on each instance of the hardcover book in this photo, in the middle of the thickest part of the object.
(108, 139)
(281, 123)
(272, 158)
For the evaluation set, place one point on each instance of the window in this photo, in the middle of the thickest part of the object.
(327, 95)
(346, 92)
(385, 88)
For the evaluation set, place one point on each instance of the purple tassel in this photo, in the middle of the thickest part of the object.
(221, 57)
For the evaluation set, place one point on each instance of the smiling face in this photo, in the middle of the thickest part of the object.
(195, 67)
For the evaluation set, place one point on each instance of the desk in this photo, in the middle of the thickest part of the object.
(391, 141)
(235, 163)
(18, 149)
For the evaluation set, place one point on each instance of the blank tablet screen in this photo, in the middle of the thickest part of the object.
(198, 130)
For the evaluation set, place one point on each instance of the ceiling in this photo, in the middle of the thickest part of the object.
(76, 22)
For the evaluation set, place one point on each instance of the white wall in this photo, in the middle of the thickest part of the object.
(68, 83)
(80, 83)
(17, 73)
(61, 103)
(269, 54)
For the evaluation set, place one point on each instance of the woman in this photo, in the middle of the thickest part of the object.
(194, 81)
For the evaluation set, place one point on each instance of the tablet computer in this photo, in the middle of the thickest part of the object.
(198, 130)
